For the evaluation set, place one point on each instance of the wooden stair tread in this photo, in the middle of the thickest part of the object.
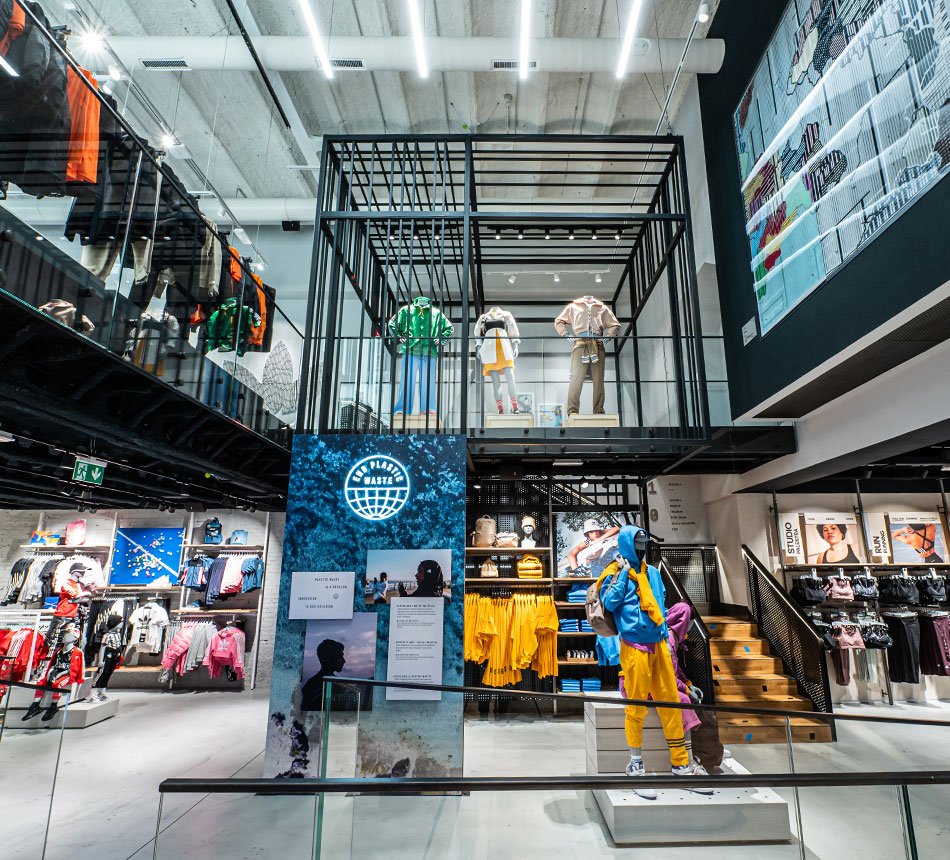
(764, 677)
(727, 699)
(725, 619)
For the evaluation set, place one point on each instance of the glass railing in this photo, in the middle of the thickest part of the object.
(528, 790)
(31, 739)
(98, 232)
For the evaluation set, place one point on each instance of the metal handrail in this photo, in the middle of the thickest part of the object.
(411, 785)
(707, 685)
(648, 703)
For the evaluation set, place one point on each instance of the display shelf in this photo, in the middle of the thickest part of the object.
(187, 611)
(506, 579)
(247, 546)
(829, 569)
(579, 633)
(64, 548)
(590, 662)
(566, 604)
(563, 580)
(491, 550)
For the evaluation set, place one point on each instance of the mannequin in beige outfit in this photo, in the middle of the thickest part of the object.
(586, 322)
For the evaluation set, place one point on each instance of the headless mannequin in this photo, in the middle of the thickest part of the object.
(500, 338)
(111, 657)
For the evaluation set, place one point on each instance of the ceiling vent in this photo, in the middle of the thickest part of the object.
(509, 65)
(346, 64)
(177, 64)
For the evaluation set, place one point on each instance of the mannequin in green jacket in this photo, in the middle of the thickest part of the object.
(420, 329)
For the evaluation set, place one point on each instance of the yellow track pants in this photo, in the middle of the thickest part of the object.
(652, 674)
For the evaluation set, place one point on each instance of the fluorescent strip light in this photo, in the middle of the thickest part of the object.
(628, 37)
(415, 20)
(316, 38)
(525, 37)
(13, 73)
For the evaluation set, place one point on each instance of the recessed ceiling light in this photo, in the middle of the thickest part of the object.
(114, 73)
(415, 20)
(584, 484)
(632, 21)
(319, 48)
(168, 141)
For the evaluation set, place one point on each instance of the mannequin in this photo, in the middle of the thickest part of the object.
(633, 591)
(67, 667)
(71, 595)
(528, 527)
(420, 329)
(585, 322)
(111, 657)
(498, 350)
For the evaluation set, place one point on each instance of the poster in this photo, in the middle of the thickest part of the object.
(350, 495)
(407, 573)
(526, 402)
(339, 647)
(550, 415)
(321, 594)
(833, 538)
(586, 540)
(917, 538)
(142, 556)
(415, 647)
(790, 539)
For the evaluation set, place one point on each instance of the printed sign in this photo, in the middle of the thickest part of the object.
(833, 538)
(377, 487)
(879, 542)
(321, 594)
(790, 538)
(415, 647)
(917, 538)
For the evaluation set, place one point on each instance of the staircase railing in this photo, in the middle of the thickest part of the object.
(789, 633)
(698, 658)
(696, 568)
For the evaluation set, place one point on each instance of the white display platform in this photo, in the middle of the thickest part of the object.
(21, 698)
(674, 816)
(80, 715)
(509, 422)
(415, 421)
(608, 419)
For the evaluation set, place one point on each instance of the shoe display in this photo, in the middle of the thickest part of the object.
(695, 769)
(635, 768)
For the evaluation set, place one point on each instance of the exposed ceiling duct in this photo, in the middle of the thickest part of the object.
(395, 53)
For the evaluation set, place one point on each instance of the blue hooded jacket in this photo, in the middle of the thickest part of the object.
(619, 594)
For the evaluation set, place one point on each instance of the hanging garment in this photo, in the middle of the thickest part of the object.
(934, 645)
(903, 657)
(226, 650)
(83, 160)
(148, 628)
(229, 327)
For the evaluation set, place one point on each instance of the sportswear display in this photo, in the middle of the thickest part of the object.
(498, 332)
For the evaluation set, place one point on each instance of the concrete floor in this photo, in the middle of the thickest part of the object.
(106, 799)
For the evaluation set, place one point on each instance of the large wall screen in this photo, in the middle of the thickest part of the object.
(845, 122)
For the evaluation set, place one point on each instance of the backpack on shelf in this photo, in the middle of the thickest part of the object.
(485, 531)
(76, 533)
(213, 531)
(489, 569)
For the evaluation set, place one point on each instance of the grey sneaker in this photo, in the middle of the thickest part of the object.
(635, 768)
(694, 769)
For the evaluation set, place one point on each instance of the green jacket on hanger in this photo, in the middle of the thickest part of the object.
(421, 327)
(222, 327)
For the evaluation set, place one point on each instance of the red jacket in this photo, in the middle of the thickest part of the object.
(71, 589)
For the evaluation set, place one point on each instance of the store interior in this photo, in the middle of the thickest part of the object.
(253, 254)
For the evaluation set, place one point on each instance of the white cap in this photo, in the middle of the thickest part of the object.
(592, 526)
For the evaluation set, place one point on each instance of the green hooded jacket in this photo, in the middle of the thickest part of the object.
(421, 328)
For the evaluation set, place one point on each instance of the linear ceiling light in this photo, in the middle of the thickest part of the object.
(316, 38)
(13, 73)
(525, 37)
(635, 8)
(415, 20)
(703, 15)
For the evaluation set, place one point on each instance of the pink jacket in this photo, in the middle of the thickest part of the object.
(178, 648)
(226, 649)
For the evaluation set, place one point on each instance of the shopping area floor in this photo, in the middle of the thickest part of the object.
(106, 796)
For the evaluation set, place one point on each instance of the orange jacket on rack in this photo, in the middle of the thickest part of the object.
(83, 160)
(15, 27)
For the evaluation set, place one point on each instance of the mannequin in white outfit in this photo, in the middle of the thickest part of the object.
(498, 348)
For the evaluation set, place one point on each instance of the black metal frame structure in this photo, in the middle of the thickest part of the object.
(404, 216)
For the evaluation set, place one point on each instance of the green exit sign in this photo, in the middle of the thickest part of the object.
(89, 471)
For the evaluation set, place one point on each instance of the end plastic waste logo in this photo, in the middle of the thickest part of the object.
(376, 487)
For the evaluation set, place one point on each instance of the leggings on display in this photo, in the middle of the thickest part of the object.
(904, 656)
(110, 660)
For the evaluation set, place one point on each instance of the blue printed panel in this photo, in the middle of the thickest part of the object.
(337, 511)
(144, 555)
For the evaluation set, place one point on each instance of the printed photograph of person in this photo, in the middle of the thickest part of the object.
(917, 539)
(334, 648)
(835, 543)
(407, 573)
(586, 541)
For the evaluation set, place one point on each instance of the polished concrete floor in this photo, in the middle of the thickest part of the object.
(106, 796)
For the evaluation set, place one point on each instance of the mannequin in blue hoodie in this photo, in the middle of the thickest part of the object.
(633, 591)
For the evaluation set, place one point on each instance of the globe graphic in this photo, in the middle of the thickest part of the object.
(376, 502)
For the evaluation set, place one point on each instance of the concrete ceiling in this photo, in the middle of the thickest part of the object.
(234, 136)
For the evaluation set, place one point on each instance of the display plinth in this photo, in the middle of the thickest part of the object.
(509, 422)
(415, 422)
(79, 715)
(610, 419)
(674, 816)
(21, 697)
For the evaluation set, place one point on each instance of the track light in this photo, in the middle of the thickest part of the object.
(415, 21)
(520, 233)
(635, 7)
(584, 484)
(597, 279)
(497, 234)
(92, 41)
(570, 235)
(547, 234)
(168, 141)
(703, 14)
(619, 235)
(593, 235)
(557, 278)
(512, 279)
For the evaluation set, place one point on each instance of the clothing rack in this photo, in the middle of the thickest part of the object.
(16, 618)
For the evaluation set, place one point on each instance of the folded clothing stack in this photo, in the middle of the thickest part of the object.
(590, 685)
(570, 685)
(578, 594)
(585, 626)
(570, 625)
(529, 567)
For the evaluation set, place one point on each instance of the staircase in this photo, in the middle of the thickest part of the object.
(746, 673)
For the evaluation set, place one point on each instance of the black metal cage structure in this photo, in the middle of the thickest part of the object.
(527, 223)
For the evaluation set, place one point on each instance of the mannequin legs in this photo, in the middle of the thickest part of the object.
(589, 347)
(645, 673)
(424, 367)
(509, 373)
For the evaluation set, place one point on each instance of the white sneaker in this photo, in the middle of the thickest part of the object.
(635, 768)
(695, 769)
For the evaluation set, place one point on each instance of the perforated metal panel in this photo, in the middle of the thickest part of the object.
(695, 653)
(696, 570)
(790, 634)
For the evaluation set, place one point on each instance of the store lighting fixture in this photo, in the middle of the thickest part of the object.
(584, 484)
(703, 14)
(570, 235)
(316, 38)
(476, 486)
(512, 279)
(557, 278)
(13, 73)
(168, 141)
(520, 233)
(92, 41)
(619, 235)
(593, 235)
(114, 73)
(597, 279)
(497, 234)
(260, 265)
(415, 21)
(106, 89)
(525, 37)
(547, 234)
(635, 8)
